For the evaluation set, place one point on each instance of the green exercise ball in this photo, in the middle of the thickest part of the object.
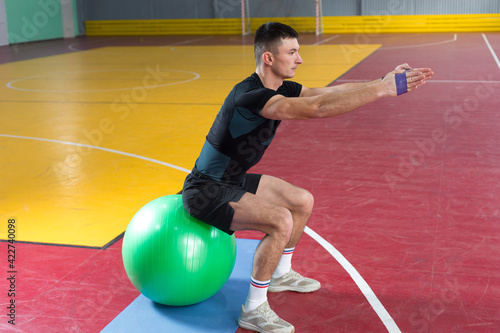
(173, 258)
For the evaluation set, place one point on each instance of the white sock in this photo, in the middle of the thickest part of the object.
(285, 263)
(257, 294)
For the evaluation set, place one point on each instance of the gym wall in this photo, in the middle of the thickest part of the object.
(153, 17)
(34, 20)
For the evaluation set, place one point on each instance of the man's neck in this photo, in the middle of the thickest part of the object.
(268, 79)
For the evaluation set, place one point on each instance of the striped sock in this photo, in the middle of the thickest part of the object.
(285, 263)
(257, 294)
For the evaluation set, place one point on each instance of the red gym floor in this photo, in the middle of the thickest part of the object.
(407, 190)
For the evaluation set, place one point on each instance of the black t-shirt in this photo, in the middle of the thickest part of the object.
(240, 135)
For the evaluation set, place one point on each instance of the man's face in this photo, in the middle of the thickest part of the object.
(287, 59)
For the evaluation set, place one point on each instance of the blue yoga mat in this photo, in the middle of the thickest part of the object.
(219, 313)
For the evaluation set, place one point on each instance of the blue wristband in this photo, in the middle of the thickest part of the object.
(401, 85)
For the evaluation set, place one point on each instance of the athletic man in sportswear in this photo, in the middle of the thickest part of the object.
(219, 191)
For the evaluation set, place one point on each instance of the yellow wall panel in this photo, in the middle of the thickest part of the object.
(411, 23)
(331, 25)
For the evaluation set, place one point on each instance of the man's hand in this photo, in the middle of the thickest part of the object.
(414, 78)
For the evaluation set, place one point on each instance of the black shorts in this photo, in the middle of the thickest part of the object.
(208, 200)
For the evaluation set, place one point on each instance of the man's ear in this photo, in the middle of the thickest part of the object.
(268, 58)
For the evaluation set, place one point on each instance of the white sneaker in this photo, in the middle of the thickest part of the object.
(293, 281)
(263, 319)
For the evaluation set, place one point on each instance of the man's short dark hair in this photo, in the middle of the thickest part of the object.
(268, 37)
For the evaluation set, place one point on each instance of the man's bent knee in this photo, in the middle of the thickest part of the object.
(283, 223)
(305, 201)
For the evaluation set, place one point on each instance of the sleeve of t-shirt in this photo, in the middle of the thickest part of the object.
(255, 99)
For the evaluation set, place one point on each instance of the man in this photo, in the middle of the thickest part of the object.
(219, 191)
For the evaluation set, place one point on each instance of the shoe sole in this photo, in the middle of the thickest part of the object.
(287, 288)
(248, 326)
(252, 327)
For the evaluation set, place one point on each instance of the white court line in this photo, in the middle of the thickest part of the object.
(461, 81)
(419, 45)
(358, 279)
(492, 51)
(325, 40)
(72, 48)
(187, 42)
(98, 148)
(196, 76)
(430, 81)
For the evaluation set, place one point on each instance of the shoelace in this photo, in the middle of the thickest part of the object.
(293, 274)
(269, 314)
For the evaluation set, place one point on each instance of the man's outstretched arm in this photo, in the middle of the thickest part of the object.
(308, 92)
(333, 102)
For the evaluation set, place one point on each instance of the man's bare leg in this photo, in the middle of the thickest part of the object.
(255, 213)
(297, 200)
(278, 209)
(281, 211)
